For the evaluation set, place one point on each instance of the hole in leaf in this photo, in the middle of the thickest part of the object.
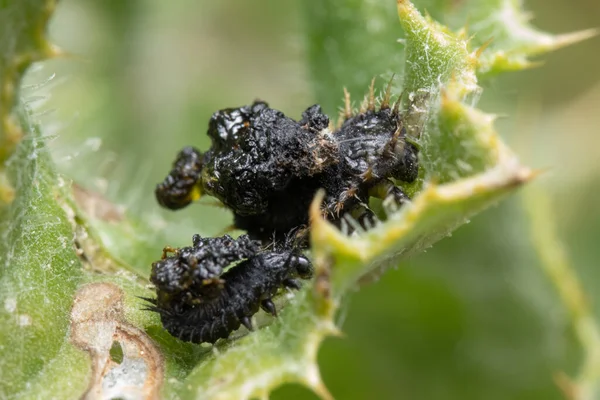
(116, 352)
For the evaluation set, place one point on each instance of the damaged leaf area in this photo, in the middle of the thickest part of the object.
(74, 265)
(125, 361)
(50, 318)
(41, 261)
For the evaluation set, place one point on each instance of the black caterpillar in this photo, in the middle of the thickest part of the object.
(266, 168)
(197, 305)
(192, 269)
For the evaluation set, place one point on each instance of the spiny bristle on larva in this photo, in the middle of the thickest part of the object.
(268, 306)
(391, 147)
(340, 121)
(368, 175)
(347, 104)
(351, 192)
(339, 206)
(364, 105)
(168, 249)
(385, 103)
(331, 127)
(371, 102)
(396, 107)
(347, 194)
(148, 299)
(247, 322)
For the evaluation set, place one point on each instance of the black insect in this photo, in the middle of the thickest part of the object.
(266, 168)
(196, 306)
(193, 272)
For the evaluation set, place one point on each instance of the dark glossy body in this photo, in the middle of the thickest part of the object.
(191, 271)
(192, 313)
(267, 167)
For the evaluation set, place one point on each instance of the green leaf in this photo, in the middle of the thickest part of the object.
(459, 147)
(22, 42)
(283, 352)
(39, 269)
(39, 275)
(503, 31)
(466, 166)
(350, 42)
(513, 40)
(74, 264)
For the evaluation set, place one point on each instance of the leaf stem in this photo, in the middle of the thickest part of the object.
(556, 264)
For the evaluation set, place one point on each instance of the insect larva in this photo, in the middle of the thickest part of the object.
(201, 312)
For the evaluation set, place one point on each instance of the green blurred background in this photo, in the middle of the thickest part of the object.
(473, 318)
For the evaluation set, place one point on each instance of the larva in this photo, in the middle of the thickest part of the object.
(201, 311)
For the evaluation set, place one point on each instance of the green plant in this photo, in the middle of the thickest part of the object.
(65, 304)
